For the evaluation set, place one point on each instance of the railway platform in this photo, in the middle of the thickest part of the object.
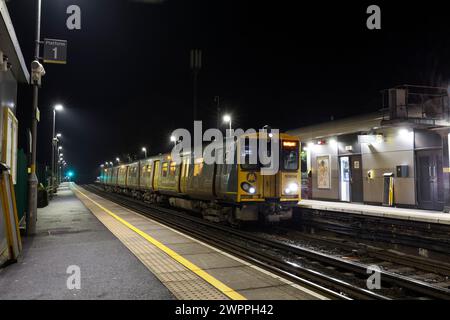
(124, 255)
(70, 237)
(416, 215)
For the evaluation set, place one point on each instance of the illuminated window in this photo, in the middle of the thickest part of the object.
(198, 167)
(173, 168)
(164, 169)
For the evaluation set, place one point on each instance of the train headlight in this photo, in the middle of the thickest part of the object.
(292, 188)
(247, 187)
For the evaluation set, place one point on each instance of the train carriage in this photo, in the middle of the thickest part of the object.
(233, 192)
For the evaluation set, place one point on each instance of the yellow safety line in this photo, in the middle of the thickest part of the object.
(197, 270)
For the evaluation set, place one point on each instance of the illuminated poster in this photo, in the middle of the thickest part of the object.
(323, 172)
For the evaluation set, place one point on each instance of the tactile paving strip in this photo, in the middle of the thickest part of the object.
(183, 283)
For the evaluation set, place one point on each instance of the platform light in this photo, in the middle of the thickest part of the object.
(227, 119)
(118, 159)
(59, 148)
(405, 133)
(333, 142)
(58, 107)
(58, 135)
(174, 140)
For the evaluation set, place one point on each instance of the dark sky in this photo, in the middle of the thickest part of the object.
(283, 63)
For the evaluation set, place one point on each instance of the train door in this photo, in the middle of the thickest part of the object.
(156, 175)
(344, 178)
(269, 185)
(430, 189)
(184, 171)
(356, 179)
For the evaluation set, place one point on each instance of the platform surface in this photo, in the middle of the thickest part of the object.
(69, 235)
(378, 211)
(189, 268)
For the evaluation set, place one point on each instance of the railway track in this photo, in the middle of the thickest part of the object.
(424, 269)
(333, 276)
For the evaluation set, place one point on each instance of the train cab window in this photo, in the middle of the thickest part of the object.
(172, 168)
(249, 153)
(289, 155)
(164, 169)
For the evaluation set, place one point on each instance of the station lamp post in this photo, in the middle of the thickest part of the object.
(227, 119)
(144, 150)
(56, 108)
(31, 216)
(118, 160)
(59, 156)
(174, 140)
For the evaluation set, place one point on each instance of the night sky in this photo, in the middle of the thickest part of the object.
(127, 83)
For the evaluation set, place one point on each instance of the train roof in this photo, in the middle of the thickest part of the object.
(354, 124)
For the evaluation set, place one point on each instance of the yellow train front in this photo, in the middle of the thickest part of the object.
(221, 192)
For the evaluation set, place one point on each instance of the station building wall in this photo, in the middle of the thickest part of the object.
(383, 156)
(396, 148)
(331, 150)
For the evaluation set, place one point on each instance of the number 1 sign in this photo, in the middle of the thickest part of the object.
(55, 51)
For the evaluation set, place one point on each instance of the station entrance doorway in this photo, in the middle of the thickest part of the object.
(430, 184)
(350, 178)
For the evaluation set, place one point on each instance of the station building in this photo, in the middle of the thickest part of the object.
(398, 156)
(13, 71)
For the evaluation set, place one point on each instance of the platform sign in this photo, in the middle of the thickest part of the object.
(55, 51)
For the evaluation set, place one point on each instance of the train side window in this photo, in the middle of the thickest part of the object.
(164, 169)
(172, 168)
(185, 165)
(198, 167)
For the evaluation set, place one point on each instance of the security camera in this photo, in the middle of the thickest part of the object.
(36, 66)
(37, 71)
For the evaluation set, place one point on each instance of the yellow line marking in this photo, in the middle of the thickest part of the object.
(197, 270)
